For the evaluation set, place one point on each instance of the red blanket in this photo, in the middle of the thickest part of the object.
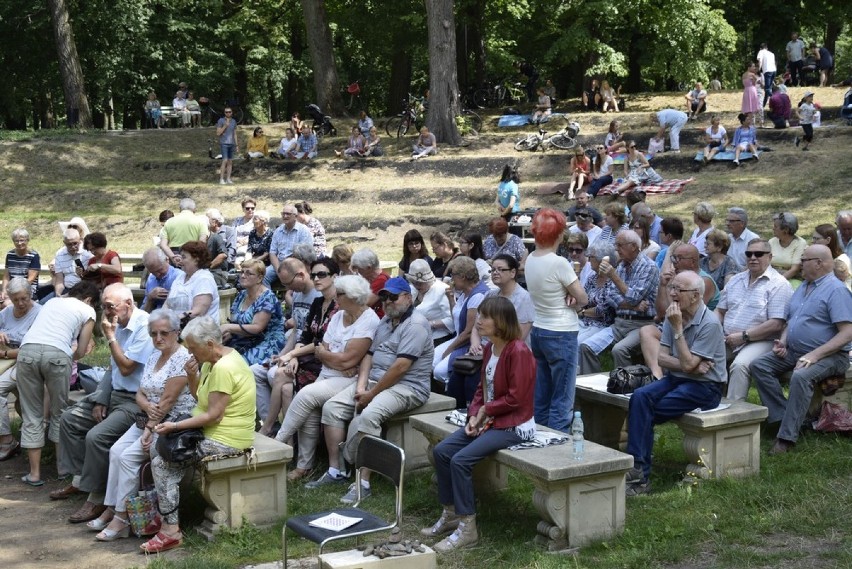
(664, 187)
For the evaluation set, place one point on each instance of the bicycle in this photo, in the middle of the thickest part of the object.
(565, 139)
(503, 92)
(210, 116)
(532, 141)
(400, 124)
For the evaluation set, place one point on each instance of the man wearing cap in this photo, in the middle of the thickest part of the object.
(815, 345)
(585, 224)
(431, 300)
(394, 377)
(581, 200)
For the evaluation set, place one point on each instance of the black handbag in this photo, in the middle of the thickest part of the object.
(179, 446)
(467, 364)
(625, 380)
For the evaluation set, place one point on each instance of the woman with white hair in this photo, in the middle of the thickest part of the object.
(702, 216)
(345, 343)
(20, 262)
(260, 238)
(365, 262)
(222, 383)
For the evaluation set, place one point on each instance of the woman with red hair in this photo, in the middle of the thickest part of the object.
(557, 295)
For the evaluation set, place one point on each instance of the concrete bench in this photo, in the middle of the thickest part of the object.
(399, 431)
(717, 443)
(579, 501)
(236, 490)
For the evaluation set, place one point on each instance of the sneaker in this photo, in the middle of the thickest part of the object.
(634, 475)
(229, 181)
(737, 162)
(796, 141)
(325, 480)
(466, 535)
(222, 182)
(756, 157)
(352, 495)
(639, 488)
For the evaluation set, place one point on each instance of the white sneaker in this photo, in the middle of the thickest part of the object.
(222, 182)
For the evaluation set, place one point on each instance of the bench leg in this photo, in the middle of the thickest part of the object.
(580, 511)
(733, 451)
(217, 514)
(605, 424)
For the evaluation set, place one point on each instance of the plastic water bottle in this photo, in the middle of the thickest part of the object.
(577, 429)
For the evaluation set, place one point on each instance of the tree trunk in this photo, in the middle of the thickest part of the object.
(73, 85)
(294, 91)
(443, 82)
(400, 74)
(326, 83)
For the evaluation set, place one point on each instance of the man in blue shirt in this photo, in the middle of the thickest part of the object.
(226, 130)
(161, 275)
(284, 240)
(815, 345)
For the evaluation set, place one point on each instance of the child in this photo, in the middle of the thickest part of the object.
(579, 167)
(745, 137)
(613, 140)
(656, 145)
(806, 112)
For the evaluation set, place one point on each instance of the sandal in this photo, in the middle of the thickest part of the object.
(112, 534)
(8, 450)
(27, 480)
(159, 543)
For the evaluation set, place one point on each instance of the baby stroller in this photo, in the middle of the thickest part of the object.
(322, 123)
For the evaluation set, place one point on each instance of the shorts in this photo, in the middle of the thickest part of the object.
(228, 151)
(715, 143)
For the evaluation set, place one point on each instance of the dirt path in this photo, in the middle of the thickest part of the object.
(34, 532)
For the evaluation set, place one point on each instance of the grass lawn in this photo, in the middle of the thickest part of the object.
(795, 514)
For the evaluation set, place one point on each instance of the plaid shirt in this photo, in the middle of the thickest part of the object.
(642, 279)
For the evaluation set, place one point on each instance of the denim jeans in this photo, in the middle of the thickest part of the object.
(555, 376)
(662, 401)
(768, 85)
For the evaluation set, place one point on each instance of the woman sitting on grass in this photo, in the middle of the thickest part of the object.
(613, 140)
(637, 170)
(500, 415)
(716, 137)
(287, 146)
(580, 166)
(745, 137)
(356, 145)
(258, 146)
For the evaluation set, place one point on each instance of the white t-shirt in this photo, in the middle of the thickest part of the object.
(548, 277)
(16, 328)
(183, 292)
(606, 168)
(338, 334)
(699, 239)
(718, 135)
(58, 323)
(766, 61)
(591, 234)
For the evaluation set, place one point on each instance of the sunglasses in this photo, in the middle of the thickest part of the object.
(757, 254)
(249, 208)
(500, 270)
(575, 250)
(388, 296)
(320, 275)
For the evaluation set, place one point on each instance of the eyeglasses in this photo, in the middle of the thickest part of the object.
(385, 296)
(757, 254)
(583, 215)
(159, 333)
(575, 250)
(229, 112)
(632, 146)
(111, 306)
(734, 220)
(500, 270)
(320, 275)
(678, 290)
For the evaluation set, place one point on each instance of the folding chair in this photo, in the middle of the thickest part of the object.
(380, 457)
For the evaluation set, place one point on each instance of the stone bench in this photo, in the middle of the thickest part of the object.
(398, 430)
(237, 491)
(717, 443)
(579, 501)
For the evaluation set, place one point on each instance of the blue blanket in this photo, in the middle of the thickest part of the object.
(524, 120)
(726, 156)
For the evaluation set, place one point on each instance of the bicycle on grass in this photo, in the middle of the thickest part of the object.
(409, 118)
(565, 139)
(503, 92)
(210, 115)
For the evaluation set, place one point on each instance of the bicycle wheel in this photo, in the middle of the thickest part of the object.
(563, 141)
(392, 125)
(530, 142)
(208, 118)
(480, 98)
(403, 127)
(473, 121)
(238, 115)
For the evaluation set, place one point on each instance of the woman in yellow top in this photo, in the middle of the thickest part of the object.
(225, 390)
(258, 146)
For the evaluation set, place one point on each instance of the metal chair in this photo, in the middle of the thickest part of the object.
(380, 457)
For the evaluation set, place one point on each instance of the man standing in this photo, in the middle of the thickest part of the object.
(766, 64)
(696, 100)
(752, 310)
(693, 353)
(284, 240)
(635, 279)
(68, 263)
(673, 121)
(394, 377)
(815, 345)
(739, 234)
(161, 275)
(88, 429)
(795, 57)
(226, 130)
(184, 227)
(844, 231)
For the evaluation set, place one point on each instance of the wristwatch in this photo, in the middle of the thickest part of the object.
(678, 336)
(745, 336)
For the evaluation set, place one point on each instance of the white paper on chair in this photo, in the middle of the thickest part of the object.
(720, 407)
(335, 522)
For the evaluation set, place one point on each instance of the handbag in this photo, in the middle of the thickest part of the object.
(179, 446)
(467, 364)
(143, 513)
(626, 380)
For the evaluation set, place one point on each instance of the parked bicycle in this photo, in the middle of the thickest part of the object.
(210, 113)
(504, 92)
(409, 118)
(565, 139)
(468, 122)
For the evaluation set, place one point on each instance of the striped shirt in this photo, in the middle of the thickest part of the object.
(750, 304)
(642, 279)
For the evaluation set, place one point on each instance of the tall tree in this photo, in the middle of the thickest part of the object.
(326, 83)
(69, 66)
(443, 80)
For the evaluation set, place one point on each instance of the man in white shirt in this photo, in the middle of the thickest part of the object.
(766, 63)
(69, 263)
(696, 100)
(844, 231)
(740, 235)
(585, 224)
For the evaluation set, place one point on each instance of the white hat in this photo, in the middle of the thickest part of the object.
(419, 272)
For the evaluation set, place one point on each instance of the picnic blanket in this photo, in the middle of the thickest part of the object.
(664, 187)
(726, 156)
(524, 120)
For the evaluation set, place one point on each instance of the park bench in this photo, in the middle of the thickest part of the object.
(718, 443)
(579, 501)
(238, 490)
(399, 431)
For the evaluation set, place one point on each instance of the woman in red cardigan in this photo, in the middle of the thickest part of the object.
(500, 415)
